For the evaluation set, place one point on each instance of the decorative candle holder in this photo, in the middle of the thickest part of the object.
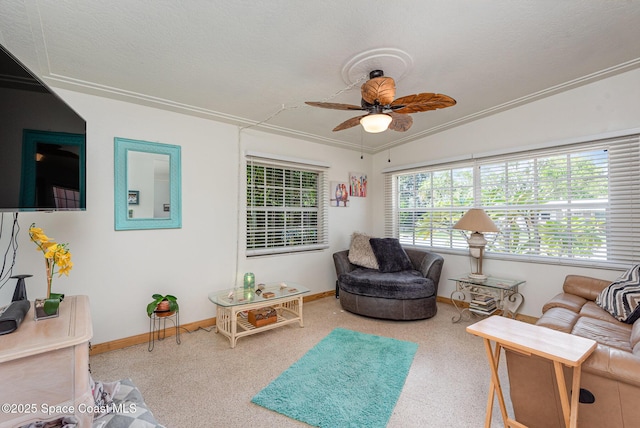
(249, 281)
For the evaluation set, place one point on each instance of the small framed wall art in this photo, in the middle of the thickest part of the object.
(338, 194)
(358, 184)
(133, 197)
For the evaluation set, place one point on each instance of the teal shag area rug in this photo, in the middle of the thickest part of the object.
(349, 379)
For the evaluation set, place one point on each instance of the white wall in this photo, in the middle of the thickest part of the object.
(314, 269)
(119, 271)
(608, 105)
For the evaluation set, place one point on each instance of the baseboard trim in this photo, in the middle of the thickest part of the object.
(193, 326)
(144, 337)
(210, 322)
(319, 296)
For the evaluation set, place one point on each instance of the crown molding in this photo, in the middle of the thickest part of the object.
(65, 82)
(563, 87)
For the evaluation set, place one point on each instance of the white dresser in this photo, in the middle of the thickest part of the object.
(44, 365)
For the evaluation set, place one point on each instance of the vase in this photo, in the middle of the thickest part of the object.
(39, 313)
(249, 281)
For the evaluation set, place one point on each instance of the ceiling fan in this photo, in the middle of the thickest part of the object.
(383, 112)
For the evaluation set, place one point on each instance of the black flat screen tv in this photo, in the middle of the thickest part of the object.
(42, 144)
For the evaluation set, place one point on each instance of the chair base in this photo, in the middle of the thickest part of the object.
(391, 309)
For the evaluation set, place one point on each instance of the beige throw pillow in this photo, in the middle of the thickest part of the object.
(361, 253)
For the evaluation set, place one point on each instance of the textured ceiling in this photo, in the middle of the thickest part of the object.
(254, 63)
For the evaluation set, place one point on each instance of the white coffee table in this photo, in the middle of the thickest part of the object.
(286, 301)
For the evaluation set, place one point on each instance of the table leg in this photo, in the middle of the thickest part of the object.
(575, 395)
(489, 411)
(562, 388)
(512, 304)
(300, 301)
(494, 387)
(234, 327)
(458, 295)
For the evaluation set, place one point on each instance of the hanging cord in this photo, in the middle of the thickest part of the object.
(6, 272)
(238, 210)
(298, 105)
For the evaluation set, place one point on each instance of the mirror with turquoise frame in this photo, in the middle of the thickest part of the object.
(147, 185)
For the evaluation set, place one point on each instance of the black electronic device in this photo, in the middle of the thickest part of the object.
(42, 144)
(20, 292)
(13, 315)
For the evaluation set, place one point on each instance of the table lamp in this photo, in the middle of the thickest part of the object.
(476, 221)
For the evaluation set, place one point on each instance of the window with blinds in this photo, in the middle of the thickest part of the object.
(575, 204)
(286, 207)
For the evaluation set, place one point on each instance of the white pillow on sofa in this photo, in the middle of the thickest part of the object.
(361, 253)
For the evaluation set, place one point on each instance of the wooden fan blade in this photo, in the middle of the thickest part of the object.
(354, 121)
(380, 89)
(421, 102)
(400, 122)
(335, 106)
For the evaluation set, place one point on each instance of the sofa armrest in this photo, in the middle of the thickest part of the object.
(568, 301)
(615, 364)
(342, 263)
(430, 264)
(584, 286)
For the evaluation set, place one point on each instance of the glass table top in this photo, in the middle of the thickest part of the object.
(491, 282)
(272, 291)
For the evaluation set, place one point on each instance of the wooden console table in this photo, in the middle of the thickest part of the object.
(44, 367)
(561, 348)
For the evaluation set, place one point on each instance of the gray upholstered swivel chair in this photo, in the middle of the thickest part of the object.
(403, 295)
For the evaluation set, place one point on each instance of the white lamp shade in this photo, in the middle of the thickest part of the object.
(476, 220)
(374, 123)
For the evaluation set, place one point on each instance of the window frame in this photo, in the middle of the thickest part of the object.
(293, 239)
(622, 204)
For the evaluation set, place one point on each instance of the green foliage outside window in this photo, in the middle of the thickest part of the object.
(553, 206)
(282, 207)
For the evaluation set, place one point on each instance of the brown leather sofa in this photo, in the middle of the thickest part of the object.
(610, 382)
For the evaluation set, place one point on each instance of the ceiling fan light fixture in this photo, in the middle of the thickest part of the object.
(378, 97)
(375, 123)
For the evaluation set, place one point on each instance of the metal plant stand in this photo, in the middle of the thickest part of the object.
(158, 326)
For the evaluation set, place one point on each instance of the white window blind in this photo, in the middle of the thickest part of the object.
(575, 204)
(286, 206)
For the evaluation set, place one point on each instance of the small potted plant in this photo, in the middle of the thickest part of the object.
(163, 306)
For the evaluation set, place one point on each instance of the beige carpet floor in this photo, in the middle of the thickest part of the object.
(204, 383)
